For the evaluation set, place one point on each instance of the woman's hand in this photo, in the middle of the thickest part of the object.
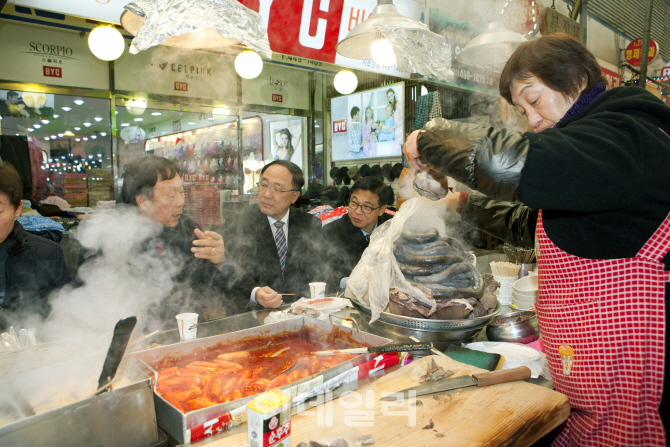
(411, 151)
(209, 245)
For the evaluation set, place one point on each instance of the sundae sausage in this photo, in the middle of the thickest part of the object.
(406, 258)
(436, 250)
(445, 274)
(421, 238)
(413, 270)
(426, 246)
(453, 242)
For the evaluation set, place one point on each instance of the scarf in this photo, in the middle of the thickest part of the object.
(584, 100)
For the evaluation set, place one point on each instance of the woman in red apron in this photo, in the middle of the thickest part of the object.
(597, 166)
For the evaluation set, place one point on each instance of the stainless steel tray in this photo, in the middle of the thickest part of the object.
(177, 423)
(425, 324)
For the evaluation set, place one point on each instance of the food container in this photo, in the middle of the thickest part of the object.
(439, 332)
(269, 419)
(124, 416)
(187, 427)
(515, 327)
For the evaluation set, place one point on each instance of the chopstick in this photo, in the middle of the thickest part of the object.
(398, 347)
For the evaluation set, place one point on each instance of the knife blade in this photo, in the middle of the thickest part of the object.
(483, 379)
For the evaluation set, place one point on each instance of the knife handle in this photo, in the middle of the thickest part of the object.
(401, 347)
(502, 376)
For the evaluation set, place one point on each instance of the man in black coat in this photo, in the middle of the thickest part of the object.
(272, 247)
(32, 267)
(347, 238)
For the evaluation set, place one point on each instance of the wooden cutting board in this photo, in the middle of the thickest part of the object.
(510, 414)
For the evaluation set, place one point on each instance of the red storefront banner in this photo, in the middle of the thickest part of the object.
(613, 78)
(634, 51)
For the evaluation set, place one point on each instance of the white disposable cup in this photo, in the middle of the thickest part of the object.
(505, 290)
(317, 290)
(188, 325)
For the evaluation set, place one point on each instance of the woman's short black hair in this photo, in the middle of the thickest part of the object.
(560, 61)
(297, 178)
(142, 175)
(375, 186)
(354, 111)
(10, 184)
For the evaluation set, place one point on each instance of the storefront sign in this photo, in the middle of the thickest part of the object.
(666, 70)
(552, 21)
(521, 16)
(457, 33)
(634, 51)
(278, 85)
(180, 72)
(48, 56)
(613, 79)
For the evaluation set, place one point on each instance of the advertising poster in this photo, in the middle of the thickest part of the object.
(26, 104)
(368, 124)
(286, 140)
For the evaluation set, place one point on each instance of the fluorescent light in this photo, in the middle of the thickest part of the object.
(87, 124)
(56, 116)
(191, 124)
(138, 119)
(85, 139)
(156, 113)
(53, 137)
(125, 124)
(45, 121)
(94, 136)
(97, 118)
(67, 109)
(103, 134)
(36, 126)
(78, 102)
(30, 129)
(77, 139)
(77, 128)
(46, 138)
(60, 135)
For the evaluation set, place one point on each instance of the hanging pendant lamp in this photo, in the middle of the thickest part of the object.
(194, 24)
(388, 35)
(495, 45)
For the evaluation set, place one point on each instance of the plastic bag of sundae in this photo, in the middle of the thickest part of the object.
(378, 271)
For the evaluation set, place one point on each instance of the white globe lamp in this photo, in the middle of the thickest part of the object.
(106, 43)
(248, 64)
(382, 52)
(345, 82)
(136, 106)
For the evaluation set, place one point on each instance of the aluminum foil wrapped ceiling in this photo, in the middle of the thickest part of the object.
(419, 51)
(194, 24)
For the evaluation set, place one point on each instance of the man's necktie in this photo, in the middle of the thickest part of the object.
(282, 249)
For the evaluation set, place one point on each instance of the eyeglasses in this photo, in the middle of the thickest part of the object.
(262, 187)
(365, 208)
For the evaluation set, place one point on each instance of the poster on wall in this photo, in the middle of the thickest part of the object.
(27, 104)
(286, 140)
(368, 124)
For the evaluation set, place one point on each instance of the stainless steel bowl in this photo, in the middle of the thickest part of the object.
(516, 327)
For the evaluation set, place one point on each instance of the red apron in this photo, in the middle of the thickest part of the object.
(611, 312)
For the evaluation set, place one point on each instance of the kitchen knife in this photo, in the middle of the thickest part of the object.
(483, 379)
(122, 332)
(398, 347)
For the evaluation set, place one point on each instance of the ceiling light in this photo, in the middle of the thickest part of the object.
(53, 137)
(36, 126)
(138, 119)
(227, 23)
(67, 109)
(106, 43)
(97, 118)
(30, 129)
(382, 52)
(90, 156)
(94, 136)
(68, 133)
(221, 111)
(103, 134)
(156, 113)
(248, 64)
(345, 82)
(56, 116)
(125, 124)
(46, 138)
(77, 139)
(85, 139)
(45, 121)
(191, 124)
(78, 102)
(87, 124)
(60, 135)
(77, 128)
(493, 46)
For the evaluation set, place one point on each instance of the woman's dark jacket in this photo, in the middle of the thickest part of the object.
(35, 267)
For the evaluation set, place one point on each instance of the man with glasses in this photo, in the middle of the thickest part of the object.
(348, 237)
(275, 249)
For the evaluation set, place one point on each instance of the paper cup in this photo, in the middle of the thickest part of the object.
(317, 290)
(505, 290)
(188, 326)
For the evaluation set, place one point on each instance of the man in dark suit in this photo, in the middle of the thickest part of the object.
(347, 238)
(274, 248)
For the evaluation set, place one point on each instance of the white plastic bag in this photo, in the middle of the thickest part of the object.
(377, 271)
(323, 305)
(516, 355)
